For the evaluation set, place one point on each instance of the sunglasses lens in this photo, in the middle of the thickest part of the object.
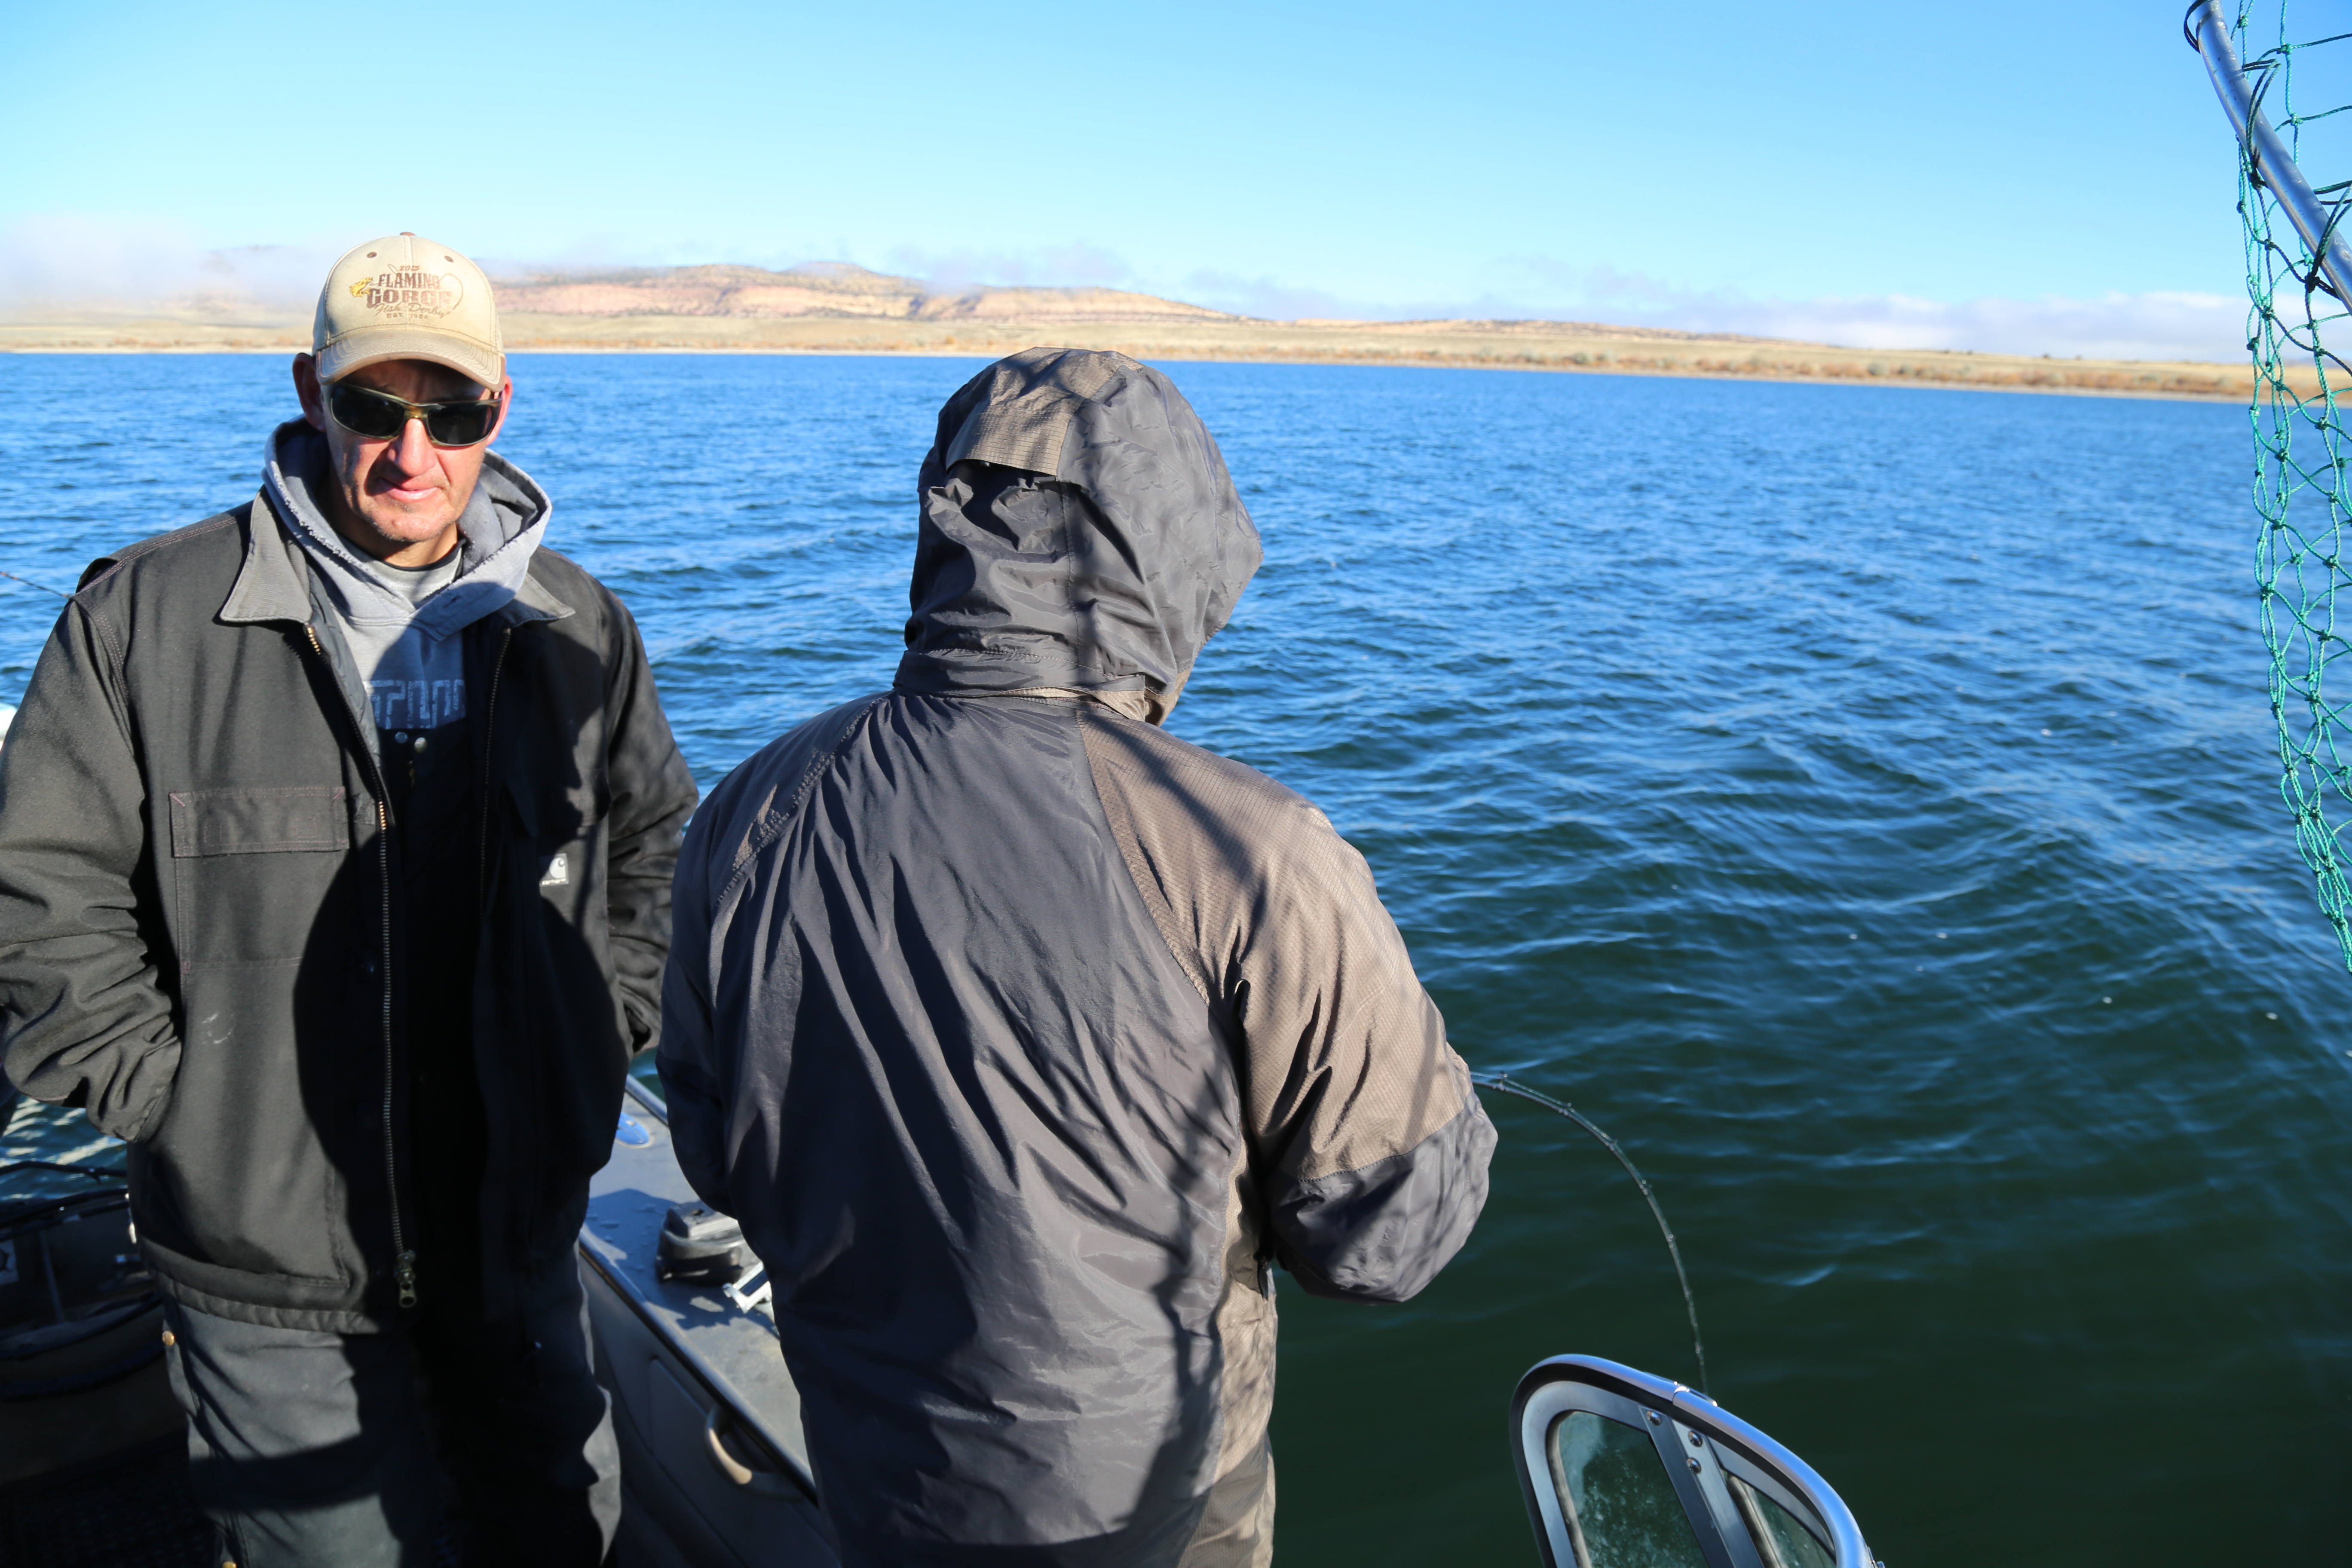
(381, 418)
(362, 413)
(462, 424)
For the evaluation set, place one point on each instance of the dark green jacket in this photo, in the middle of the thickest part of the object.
(198, 941)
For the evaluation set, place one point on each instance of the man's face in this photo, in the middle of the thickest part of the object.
(398, 499)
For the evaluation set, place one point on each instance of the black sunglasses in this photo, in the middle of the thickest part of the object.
(380, 417)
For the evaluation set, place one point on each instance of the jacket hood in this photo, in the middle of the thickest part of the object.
(1079, 533)
(498, 532)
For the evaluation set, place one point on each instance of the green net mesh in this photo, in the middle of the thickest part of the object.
(2297, 332)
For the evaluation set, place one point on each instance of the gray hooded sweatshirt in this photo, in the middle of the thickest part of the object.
(399, 626)
(1022, 1037)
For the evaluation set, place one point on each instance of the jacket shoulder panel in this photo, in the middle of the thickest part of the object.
(1204, 835)
(1195, 767)
(1279, 922)
(222, 534)
(571, 582)
(754, 806)
(185, 572)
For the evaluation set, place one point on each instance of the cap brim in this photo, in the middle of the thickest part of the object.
(372, 345)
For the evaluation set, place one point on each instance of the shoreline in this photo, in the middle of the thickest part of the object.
(1567, 348)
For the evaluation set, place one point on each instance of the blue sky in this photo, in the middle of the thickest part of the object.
(1992, 176)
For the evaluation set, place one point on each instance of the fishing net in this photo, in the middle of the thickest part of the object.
(2299, 331)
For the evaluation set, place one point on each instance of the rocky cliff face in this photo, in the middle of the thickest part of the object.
(824, 288)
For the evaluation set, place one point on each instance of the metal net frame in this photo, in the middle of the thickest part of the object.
(2302, 482)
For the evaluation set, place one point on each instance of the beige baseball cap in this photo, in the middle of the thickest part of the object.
(406, 296)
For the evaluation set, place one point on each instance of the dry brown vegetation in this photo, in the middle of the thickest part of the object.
(835, 309)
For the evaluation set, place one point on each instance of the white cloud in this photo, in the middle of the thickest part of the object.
(2167, 325)
(2164, 324)
(1259, 296)
(1073, 265)
(52, 263)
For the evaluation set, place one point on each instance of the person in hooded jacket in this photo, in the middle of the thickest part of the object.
(336, 835)
(1022, 1037)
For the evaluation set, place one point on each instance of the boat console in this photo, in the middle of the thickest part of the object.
(714, 1468)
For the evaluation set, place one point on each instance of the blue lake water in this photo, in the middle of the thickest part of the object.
(1860, 801)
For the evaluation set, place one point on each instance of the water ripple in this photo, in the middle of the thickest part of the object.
(1860, 800)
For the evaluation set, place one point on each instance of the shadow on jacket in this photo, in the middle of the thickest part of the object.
(202, 943)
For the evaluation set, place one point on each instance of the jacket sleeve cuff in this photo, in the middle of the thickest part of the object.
(133, 1107)
(1381, 1232)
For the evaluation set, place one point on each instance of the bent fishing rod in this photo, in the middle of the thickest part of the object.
(1503, 1083)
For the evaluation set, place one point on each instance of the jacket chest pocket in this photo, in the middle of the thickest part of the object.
(559, 828)
(257, 869)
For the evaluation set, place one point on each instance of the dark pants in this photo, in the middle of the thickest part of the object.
(321, 1450)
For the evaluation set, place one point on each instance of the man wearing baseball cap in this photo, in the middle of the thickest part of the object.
(336, 834)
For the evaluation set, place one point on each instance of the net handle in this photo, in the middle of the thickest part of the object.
(2266, 157)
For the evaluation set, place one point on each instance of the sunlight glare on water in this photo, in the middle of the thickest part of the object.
(1860, 801)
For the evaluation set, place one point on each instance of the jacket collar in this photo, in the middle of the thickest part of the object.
(274, 584)
(532, 601)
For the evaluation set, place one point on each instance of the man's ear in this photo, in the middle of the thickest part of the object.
(306, 388)
(506, 406)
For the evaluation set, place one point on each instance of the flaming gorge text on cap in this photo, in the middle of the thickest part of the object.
(405, 296)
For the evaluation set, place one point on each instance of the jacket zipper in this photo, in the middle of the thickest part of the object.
(403, 1259)
(490, 736)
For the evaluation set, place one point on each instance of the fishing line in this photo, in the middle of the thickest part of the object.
(1502, 1082)
(28, 583)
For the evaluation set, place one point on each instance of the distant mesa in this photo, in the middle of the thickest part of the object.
(822, 289)
(833, 307)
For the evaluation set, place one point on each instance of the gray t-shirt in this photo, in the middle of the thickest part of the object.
(417, 682)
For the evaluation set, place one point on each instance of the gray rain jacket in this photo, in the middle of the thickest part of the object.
(1020, 1035)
